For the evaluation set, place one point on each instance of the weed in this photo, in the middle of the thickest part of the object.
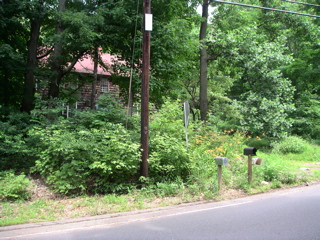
(276, 184)
(168, 189)
(14, 187)
(292, 144)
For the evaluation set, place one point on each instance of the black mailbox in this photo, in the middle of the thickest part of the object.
(250, 151)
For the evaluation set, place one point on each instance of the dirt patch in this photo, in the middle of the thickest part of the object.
(40, 189)
(311, 166)
(227, 194)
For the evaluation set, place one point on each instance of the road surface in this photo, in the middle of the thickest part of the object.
(286, 214)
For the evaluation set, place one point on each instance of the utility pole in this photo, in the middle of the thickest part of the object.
(147, 19)
(204, 62)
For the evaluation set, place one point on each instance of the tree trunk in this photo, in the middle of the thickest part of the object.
(57, 53)
(204, 63)
(29, 82)
(95, 74)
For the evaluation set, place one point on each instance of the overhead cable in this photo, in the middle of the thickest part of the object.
(303, 3)
(129, 112)
(266, 8)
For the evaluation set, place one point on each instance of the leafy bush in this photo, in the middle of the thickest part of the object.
(268, 116)
(278, 174)
(258, 143)
(168, 159)
(86, 160)
(14, 147)
(307, 117)
(14, 187)
(109, 110)
(292, 144)
(48, 111)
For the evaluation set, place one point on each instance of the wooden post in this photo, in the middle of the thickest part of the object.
(220, 176)
(249, 168)
(145, 93)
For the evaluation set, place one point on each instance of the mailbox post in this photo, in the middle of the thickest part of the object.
(221, 161)
(250, 152)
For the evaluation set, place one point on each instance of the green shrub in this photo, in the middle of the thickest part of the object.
(14, 187)
(306, 117)
(278, 173)
(271, 172)
(109, 110)
(168, 158)
(292, 144)
(48, 111)
(83, 160)
(258, 143)
(168, 189)
(14, 144)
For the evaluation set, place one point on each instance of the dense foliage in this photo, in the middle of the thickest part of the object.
(74, 159)
(262, 87)
(90, 154)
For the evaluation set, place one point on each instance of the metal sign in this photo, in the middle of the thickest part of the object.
(186, 109)
(148, 22)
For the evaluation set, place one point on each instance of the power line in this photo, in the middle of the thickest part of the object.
(265, 8)
(130, 103)
(303, 3)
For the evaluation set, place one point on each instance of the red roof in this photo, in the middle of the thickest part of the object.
(85, 65)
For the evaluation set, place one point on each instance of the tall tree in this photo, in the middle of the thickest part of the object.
(13, 37)
(56, 64)
(36, 15)
(78, 32)
(255, 58)
(95, 76)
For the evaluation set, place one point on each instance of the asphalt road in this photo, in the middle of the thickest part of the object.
(286, 214)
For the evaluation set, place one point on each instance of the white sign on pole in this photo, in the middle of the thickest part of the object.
(148, 22)
(186, 109)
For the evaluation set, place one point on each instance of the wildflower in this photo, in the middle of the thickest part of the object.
(219, 149)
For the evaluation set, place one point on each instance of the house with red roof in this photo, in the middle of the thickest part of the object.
(85, 68)
(87, 89)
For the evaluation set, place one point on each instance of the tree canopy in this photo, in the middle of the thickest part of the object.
(261, 73)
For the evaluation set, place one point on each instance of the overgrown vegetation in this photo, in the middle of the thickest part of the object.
(87, 157)
(14, 187)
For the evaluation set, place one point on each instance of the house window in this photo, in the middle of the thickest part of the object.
(104, 84)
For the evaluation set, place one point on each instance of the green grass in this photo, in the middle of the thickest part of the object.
(50, 210)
